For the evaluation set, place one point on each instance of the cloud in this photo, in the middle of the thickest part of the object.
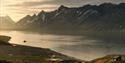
(63, 2)
(23, 7)
(52, 2)
(44, 8)
(31, 3)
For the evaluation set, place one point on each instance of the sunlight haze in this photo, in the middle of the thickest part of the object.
(17, 9)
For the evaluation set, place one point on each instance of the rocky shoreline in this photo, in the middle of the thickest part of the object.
(13, 53)
(26, 54)
(113, 58)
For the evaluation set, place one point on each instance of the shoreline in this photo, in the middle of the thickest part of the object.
(19, 53)
(15, 53)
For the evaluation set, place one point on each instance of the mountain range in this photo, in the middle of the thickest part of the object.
(103, 17)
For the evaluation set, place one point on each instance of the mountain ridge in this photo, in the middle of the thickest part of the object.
(106, 16)
(6, 22)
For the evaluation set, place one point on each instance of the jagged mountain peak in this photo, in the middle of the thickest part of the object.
(9, 18)
(6, 22)
(88, 5)
(6, 18)
(25, 19)
(27, 16)
(62, 7)
(34, 15)
(95, 16)
(41, 13)
(108, 5)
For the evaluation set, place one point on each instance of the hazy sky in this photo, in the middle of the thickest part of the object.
(17, 9)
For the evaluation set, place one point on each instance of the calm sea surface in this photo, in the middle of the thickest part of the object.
(78, 46)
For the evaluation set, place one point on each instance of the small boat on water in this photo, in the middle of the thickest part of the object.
(4, 38)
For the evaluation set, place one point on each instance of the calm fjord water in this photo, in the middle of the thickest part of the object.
(78, 46)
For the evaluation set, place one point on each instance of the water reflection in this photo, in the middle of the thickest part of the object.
(76, 46)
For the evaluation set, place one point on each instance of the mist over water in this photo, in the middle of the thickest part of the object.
(78, 46)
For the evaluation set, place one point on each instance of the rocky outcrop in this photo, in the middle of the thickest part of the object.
(110, 59)
(4, 40)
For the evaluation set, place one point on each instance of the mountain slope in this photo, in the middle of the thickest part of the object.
(6, 22)
(104, 17)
